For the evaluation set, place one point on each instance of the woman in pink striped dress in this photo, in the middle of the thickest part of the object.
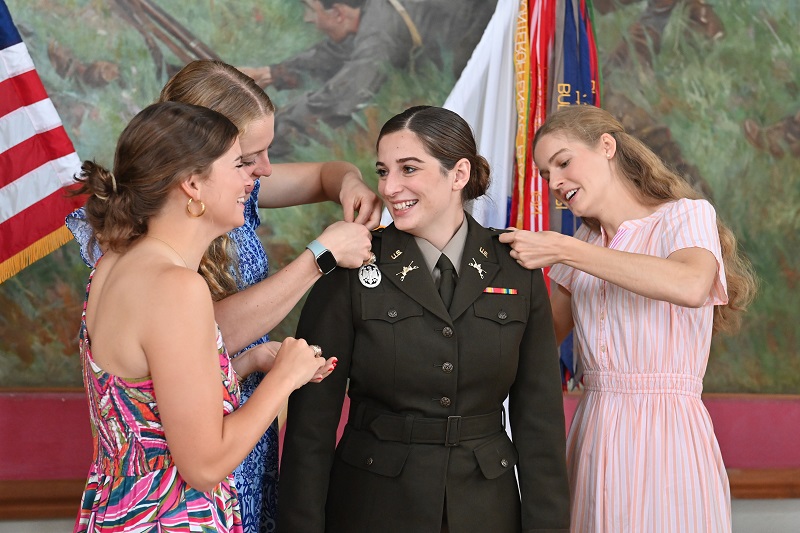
(644, 283)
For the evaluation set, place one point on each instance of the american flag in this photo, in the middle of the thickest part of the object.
(37, 160)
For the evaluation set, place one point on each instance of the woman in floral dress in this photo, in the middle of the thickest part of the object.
(248, 304)
(164, 401)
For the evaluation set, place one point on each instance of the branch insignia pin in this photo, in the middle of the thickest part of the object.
(484, 252)
(396, 254)
(477, 267)
(406, 270)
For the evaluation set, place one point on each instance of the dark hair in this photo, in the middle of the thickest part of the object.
(447, 137)
(162, 145)
(654, 183)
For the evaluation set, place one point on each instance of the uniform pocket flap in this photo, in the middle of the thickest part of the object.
(377, 306)
(503, 308)
(363, 450)
(497, 456)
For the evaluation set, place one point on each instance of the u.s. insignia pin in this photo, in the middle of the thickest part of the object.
(369, 276)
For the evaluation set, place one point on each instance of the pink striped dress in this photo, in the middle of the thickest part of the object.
(641, 452)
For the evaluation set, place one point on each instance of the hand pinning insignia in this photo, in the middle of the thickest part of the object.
(477, 267)
(406, 270)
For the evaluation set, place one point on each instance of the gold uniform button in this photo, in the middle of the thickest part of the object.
(445, 401)
(504, 463)
(447, 331)
(392, 313)
(447, 368)
(502, 315)
(370, 461)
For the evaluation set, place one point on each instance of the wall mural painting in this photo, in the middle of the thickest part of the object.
(714, 89)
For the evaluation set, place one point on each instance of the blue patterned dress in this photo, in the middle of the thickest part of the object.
(256, 478)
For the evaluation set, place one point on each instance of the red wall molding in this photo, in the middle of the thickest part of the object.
(46, 435)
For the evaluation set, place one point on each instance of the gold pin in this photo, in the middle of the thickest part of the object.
(406, 270)
(397, 254)
(477, 266)
(485, 253)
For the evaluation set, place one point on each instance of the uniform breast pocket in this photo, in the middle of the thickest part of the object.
(388, 308)
(503, 309)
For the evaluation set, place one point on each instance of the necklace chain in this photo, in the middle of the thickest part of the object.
(170, 247)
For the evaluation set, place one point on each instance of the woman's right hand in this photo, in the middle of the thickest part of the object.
(349, 242)
(298, 362)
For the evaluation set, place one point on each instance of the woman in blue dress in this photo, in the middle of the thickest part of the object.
(248, 304)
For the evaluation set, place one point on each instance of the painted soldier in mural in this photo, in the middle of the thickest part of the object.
(366, 38)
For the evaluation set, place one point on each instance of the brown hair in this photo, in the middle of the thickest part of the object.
(654, 183)
(447, 137)
(223, 88)
(161, 146)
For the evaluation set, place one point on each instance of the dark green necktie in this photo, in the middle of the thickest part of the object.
(447, 279)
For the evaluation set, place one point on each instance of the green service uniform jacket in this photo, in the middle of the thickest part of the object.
(426, 428)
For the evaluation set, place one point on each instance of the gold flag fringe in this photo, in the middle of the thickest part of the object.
(47, 244)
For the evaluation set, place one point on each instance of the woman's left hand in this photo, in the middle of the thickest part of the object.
(534, 249)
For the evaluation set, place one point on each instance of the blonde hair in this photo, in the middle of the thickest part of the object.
(223, 88)
(654, 183)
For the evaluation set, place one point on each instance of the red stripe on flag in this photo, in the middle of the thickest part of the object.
(33, 153)
(19, 91)
(35, 222)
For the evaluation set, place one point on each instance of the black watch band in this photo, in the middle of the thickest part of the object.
(323, 257)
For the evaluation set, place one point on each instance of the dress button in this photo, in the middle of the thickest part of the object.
(504, 463)
(369, 461)
(502, 315)
(392, 313)
(447, 331)
(447, 368)
(445, 401)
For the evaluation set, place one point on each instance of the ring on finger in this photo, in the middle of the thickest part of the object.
(316, 349)
(371, 260)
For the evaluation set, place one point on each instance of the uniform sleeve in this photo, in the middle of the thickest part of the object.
(536, 411)
(82, 232)
(315, 409)
(693, 224)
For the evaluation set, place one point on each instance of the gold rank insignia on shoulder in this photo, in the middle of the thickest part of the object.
(484, 252)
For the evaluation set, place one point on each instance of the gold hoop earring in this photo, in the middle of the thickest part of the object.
(189, 208)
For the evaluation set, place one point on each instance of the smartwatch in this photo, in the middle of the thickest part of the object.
(323, 257)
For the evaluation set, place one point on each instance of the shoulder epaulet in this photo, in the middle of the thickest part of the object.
(495, 232)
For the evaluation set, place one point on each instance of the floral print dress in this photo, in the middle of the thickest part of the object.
(133, 483)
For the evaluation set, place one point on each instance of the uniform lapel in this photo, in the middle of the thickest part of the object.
(478, 267)
(399, 257)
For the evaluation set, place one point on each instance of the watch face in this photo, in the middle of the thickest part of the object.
(326, 262)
